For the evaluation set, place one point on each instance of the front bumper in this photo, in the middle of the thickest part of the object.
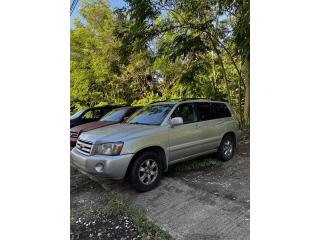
(115, 167)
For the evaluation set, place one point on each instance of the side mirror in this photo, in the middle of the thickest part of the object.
(176, 121)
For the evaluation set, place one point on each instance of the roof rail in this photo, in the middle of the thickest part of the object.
(160, 101)
(186, 99)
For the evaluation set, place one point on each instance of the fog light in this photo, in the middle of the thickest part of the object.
(99, 167)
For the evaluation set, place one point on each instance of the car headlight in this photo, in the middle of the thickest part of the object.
(112, 148)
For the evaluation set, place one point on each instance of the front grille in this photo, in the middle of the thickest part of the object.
(74, 134)
(84, 147)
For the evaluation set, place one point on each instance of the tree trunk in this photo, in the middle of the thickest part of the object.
(112, 93)
(213, 77)
(232, 60)
(247, 93)
(239, 99)
(224, 75)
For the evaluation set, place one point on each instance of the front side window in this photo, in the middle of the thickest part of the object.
(185, 111)
(150, 115)
(114, 116)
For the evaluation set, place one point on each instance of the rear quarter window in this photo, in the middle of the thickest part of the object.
(222, 110)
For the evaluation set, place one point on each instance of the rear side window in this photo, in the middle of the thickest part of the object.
(222, 110)
(97, 113)
(206, 111)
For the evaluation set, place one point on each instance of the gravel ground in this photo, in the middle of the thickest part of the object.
(88, 220)
(198, 199)
(229, 180)
(98, 214)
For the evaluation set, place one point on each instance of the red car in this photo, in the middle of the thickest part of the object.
(115, 116)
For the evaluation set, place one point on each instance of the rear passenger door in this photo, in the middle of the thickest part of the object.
(184, 140)
(208, 125)
(211, 123)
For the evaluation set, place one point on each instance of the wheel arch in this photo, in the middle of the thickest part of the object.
(157, 149)
(232, 134)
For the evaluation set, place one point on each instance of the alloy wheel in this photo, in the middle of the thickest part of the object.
(148, 171)
(227, 148)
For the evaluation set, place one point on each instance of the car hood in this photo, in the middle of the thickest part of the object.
(90, 126)
(117, 132)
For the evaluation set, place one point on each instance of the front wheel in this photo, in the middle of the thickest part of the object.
(226, 148)
(146, 171)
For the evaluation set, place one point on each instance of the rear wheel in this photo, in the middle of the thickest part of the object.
(226, 148)
(146, 171)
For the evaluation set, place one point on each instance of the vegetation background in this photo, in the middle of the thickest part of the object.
(153, 50)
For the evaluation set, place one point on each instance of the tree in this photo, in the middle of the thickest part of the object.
(158, 49)
(94, 61)
(196, 28)
(242, 39)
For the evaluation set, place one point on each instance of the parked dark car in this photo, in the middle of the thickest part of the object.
(90, 114)
(115, 116)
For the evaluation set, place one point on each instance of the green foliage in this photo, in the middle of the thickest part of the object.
(160, 49)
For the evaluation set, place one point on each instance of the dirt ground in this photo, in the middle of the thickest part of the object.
(87, 197)
(199, 199)
(229, 180)
(98, 214)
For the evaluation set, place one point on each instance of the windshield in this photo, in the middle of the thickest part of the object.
(77, 114)
(150, 115)
(114, 115)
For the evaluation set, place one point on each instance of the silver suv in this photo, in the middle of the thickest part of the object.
(155, 137)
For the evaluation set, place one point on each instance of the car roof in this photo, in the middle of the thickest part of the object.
(108, 106)
(127, 107)
(166, 102)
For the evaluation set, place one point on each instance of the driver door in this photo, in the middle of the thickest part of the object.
(184, 140)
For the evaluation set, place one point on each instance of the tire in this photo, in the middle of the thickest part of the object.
(227, 148)
(143, 176)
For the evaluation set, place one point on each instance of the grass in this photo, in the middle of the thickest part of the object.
(120, 206)
(113, 207)
(195, 164)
